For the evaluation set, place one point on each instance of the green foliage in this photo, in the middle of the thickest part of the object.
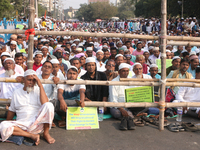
(126, 9)
(41, 10)
(99, 10)
(6, 9)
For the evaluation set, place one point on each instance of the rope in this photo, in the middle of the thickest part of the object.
(29, 32)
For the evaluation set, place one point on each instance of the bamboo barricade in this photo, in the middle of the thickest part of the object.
(119, 35)
(149, 82)
(183, 43)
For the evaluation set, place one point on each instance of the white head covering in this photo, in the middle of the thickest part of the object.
(89, 49)
(176, 57)
(167, 50)
(9, 59)
(118, 55)
(35, 39)
(124, 65)
(54, 61)
(145, 51)
(153, 65)
(151, 47)
(79, 49)
(192, 53)
(29, 72)
(5, 54)
(43, 40)
(197, 50)
(90, 59)
(73, 45)
(44, 47)
(72, 67)
(136, 64)
(13, 42)
(156, 49)
(99, 51)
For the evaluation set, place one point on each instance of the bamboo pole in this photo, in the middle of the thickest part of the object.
(183, 43)
(163, 62)
(31, 37)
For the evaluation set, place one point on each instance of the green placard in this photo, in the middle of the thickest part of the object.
(82, 118)
(168, 64)
(20, 26)
(140, 94)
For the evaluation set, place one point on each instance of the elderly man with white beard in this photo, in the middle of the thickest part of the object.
(138, 70)
(39, 116)
(7, 89)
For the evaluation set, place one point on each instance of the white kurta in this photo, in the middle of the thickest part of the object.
(31, 114)
(153, 58)
(7, 89)
(188, 94)
(81, 73)
(102, 67)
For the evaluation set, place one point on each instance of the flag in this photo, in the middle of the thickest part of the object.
(45, 14)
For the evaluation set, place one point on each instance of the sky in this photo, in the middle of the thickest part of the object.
(76, 3)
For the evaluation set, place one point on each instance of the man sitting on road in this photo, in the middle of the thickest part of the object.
(77, 63)
(154, 71)
(39, 116)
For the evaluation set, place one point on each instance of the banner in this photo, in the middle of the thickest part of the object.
(82, 118)
(140, 94)
(168, 64)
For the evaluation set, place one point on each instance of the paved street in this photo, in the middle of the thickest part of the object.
(108, 137)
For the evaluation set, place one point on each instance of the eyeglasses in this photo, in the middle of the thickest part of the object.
(111, 65)
(8, 63)
(138, 69)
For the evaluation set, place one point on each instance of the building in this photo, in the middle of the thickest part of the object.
(117, 3)
(94, 1)
(45, 3)
(71, 12)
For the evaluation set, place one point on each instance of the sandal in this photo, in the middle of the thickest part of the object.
(139, 122)
(190, 127)
(173, 127)
(180, 127)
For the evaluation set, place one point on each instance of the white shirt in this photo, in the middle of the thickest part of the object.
(81, 73)
(145, 76)
(26, 105)
(7, 89)
(44, 59)
(153, 58)
(100, 68)
(18, 69)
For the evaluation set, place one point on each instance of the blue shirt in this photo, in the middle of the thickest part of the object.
(157, 76)
(193, 72)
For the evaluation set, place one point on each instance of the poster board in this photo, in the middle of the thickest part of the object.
(168, 64)
(82, 118)
(140, 94)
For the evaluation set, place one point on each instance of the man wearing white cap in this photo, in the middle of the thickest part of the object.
(13, 49)
(156, 55)
(77, 63)
(94, 92)
(168, 54)
(146, 57)
(73, 51)
(175, 64)
(34, 112)
(99, 61)
(17, 69)
(38, 56)
(138, 70)
(69, 94)
(7, 89)
(44, 50)
(117, 95)
(119, 58)
(89, 52)
(153, 71)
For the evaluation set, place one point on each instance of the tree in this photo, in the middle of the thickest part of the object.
(41, 10)
(126, 9)
(6, 9)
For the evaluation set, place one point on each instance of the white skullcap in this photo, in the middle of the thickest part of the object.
(118, 55)
(124, 65)
(90, 59)
(73, 68)
(77, 40)
(13, 42)
(29, 72)
(80, 44)
(38, 52)
(99, 51)
(54, 61)
(176, 57)
(43, 40)
(73, 45)
(167, 50)
(55, 42)
(58, 36)
(156, 49)
(64, 37)
(9, 59)
(145, 51)
(197, 50)
(89, 49)
(44, 47)
(184, 51)
(136, 64)
(124, 47)
(192, 53)
(149, 42)
(5, 54)
(153, 65)
(104, 46)
(151, 47)
(35, 39)
(79, 49)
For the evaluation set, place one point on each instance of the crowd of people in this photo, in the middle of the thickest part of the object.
(89, 58)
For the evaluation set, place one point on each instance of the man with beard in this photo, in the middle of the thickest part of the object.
(89, 52)
(77, 63)
(138, 70)
(194, 62)
(113, 52)
(110, 70)
(33, 110)
(175, 65)
(156, 55)
(180, 73)
(12, 49)
(117, 95)
(94, 92)
(154, 72)
(19, 60)
(119, 58)
(69, 94)
(106, 55)
(7, 89)
(139, 50)
(99, 62)
(17, 69)
(37, 60)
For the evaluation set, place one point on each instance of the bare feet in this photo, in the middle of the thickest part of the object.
(36, 138)
(49, 139)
